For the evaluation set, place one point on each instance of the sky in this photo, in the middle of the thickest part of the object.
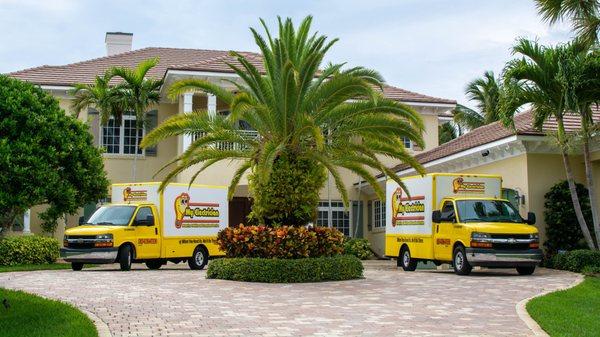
(433, 47)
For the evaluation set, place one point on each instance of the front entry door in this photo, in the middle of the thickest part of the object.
(147, 243)
(443, 233)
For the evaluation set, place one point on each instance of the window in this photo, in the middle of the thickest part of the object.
(407, 143)
(340, 218)
(512, 196)
(378, 214)
(121, 139)
(448, 211)
(143, 214)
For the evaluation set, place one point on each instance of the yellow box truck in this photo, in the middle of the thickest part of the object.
(459, 219)
(143, 224)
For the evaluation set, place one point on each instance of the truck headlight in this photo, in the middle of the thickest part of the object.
(104, 237)
(535, 237)
(478, 236)
(104, 240)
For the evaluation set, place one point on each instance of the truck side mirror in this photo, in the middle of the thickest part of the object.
(436, 216)
(531, 218)
(81, 221)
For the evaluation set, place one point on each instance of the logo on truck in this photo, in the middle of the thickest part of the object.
(407, 211)
(195, 214)
(460, 185)
(130, 194)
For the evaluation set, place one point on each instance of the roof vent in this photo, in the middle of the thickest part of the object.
(118, 42)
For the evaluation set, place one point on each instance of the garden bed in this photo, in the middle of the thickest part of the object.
(334, 268)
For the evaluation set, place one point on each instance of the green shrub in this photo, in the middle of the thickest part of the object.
(333, 268)
(562, 229)
(280, 242)
(577, 260)
(28, 249)
(360, 248)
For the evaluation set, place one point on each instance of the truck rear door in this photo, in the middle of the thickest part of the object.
(146, 224)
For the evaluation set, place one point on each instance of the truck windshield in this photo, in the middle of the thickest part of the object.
(112, 216)
(487, 211)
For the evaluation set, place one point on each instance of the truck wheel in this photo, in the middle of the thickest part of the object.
(199, 259)
(406, 261)
(76, 266)
(125, 257)
(526, 270)
(461, 265)
(154, 264)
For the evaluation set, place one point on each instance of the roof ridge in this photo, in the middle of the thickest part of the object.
(30, 69)
(414, 92)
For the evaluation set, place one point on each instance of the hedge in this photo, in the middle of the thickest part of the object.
(28, 249)
(280, 242)
(577, 260)
(360, 248)
(334, 268)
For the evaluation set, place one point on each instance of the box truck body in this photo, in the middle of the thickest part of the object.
(143, 224)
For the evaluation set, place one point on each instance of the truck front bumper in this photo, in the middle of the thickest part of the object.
(503, 258)
(91, 255)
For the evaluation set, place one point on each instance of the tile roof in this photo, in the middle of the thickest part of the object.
(493, 132)
(175, 59)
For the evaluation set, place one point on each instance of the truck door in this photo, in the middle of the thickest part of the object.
(443, 233)
(147, 243)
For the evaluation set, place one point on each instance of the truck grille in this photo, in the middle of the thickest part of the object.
(510, 246)
(80, 241)
(509, 236)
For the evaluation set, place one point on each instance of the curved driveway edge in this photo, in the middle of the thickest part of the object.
(388, 302)
(101, 327)
(521, 308)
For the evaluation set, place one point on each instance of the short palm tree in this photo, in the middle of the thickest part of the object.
(138, 93)
(541, 73)
(309, 121)
(99, 95)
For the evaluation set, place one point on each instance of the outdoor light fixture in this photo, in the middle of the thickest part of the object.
(485, 153)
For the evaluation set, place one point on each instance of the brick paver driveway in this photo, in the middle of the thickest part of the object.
(180, 302)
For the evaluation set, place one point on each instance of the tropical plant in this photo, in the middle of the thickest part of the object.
(583, 14)
(138, 93)
(47, 157)
(540, 73)
(99, 95)
(308, 119)
(447, 132)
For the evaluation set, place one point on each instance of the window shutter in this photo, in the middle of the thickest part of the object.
(151, 123)
(94, 123)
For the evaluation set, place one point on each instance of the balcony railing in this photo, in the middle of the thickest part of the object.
(229, 146)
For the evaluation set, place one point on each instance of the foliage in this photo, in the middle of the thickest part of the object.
(583, 14)
(571, 312)
(101, 96)
(28, 249)
(314, 269)
(46, 156)
(576, 260)
(293, 181)
(33, 316)
(334, 117)
(562, 230)
(280, 242)
(446, 132)
(360, 248)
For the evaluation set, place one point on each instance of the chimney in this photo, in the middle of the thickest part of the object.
(118, 42)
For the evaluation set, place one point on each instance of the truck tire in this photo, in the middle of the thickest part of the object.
(461, 264)
(199, 259)
(76, 266)
(154, 264)
(526, 270)
(406, 261)
(125, 257)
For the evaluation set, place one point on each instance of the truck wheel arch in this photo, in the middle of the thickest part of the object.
(202, 246)
(132, 249)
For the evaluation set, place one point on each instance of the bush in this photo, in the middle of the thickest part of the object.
(562, 229)
(360, 248)
(280, 242)
(577, 260)
(334, 268)
(30, 249)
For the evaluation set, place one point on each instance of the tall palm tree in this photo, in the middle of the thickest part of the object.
(310, 122)
(583, 14)
(99, 95)
(540, 72)
(139, 93)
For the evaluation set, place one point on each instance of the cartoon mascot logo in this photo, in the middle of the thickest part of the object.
(460, 185)
(181, 204)
(195, 214)
(133, 195)
(407, 210)
(396, 201)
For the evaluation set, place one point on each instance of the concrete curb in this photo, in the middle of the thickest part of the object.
(530, 322)
(102, 328)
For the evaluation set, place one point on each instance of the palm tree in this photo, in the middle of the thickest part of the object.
(540, 73)
(310, 122)
(139, 93)
(583, 14)
(99, 95)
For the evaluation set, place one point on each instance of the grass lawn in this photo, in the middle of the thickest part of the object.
(33, 316)
(571, 312)
(30, 267)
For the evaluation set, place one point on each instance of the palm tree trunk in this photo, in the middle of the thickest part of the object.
(135, 154)
(572, 188)
(591, 188)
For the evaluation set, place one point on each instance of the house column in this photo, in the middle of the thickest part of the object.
(211, 105)
(187, 108)
(27, 222)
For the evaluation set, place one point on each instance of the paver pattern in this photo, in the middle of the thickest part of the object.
(175, 301)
